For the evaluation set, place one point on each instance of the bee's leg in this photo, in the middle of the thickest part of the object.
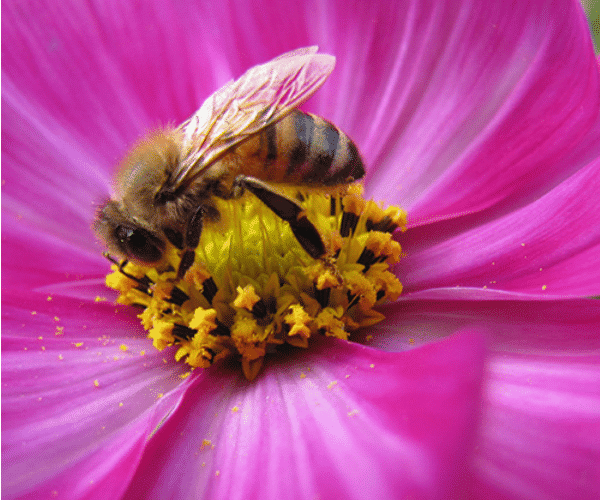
(304, 230)
(191, 241)
(143, 283)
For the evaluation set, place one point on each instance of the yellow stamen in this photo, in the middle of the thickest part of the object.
(252, 286)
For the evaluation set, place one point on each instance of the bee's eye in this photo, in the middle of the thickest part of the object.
(139, 243)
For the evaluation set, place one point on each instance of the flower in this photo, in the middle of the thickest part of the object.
(482, 381)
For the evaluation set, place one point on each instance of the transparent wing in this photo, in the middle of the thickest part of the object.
(261, 96)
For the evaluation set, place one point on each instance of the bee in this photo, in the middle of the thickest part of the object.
(248, 135)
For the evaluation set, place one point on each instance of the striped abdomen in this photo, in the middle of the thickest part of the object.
(300, 149)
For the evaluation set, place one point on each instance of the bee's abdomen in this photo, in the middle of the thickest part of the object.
(304, 149)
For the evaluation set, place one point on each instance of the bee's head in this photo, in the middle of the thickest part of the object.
(132, 222)
(125, 236)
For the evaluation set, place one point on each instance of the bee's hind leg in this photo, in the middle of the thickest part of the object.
(288, 210)
(191, 240)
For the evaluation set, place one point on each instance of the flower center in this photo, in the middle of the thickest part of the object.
(252, 286)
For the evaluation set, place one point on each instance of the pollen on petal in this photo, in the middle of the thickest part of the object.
(253, 287)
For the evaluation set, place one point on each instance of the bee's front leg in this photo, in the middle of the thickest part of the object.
(288, 210)
(191, 240)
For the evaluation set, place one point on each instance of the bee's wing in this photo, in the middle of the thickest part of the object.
(261, 96)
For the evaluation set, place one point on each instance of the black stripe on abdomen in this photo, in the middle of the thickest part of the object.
(304, 126)
(353, 167)
(325, 147)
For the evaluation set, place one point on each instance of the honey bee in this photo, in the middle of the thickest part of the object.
(248, 135)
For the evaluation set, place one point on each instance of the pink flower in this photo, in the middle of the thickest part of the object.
(483, 381)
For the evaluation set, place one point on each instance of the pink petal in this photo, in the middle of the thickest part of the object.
(549, 247)
(540, 434)
(487, 109)
(33, 259)
(77, 408)
(514, 325)
(541, 429)
(335, 422)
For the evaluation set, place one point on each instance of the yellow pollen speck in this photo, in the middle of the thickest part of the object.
(371, 365)
(49, 298)
(159, 395)
(99, 299)
(298, 319)
(235, 409)
(347, 375)
(121, 404)
(142, 353)
(203, 464)
(252, 287)
(96, 383)
(368, 338)
(60, 356)
(204, 320)
(522, 244)
(40, 338)
(33, 313)
(246, 298)
(123, 347)
(302, 375)
(43, 348)
(331, 385)
(218, 473)
(411, 341)
(185, 375)
(77, 344)
(544, 287)
(352, 413)
(56, 318)
(205, 444)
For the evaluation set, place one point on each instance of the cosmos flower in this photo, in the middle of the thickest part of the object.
(483, 380)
